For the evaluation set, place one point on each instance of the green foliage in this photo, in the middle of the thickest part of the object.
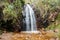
(12, 11)
(53, 26)
(45, 5)
(58, 17)
(9, 13)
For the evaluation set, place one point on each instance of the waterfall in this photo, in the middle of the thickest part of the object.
(30, 20)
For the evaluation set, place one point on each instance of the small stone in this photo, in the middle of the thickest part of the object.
(56, 30)
(52, 39)
(27, 38)
(57, 38)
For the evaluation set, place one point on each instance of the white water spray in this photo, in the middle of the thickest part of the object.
(30, 19)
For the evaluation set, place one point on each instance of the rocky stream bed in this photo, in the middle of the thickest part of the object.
(43, 35)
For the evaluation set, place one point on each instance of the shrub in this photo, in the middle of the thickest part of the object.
(12, 15)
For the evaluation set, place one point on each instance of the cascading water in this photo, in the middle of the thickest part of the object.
(30, 20)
